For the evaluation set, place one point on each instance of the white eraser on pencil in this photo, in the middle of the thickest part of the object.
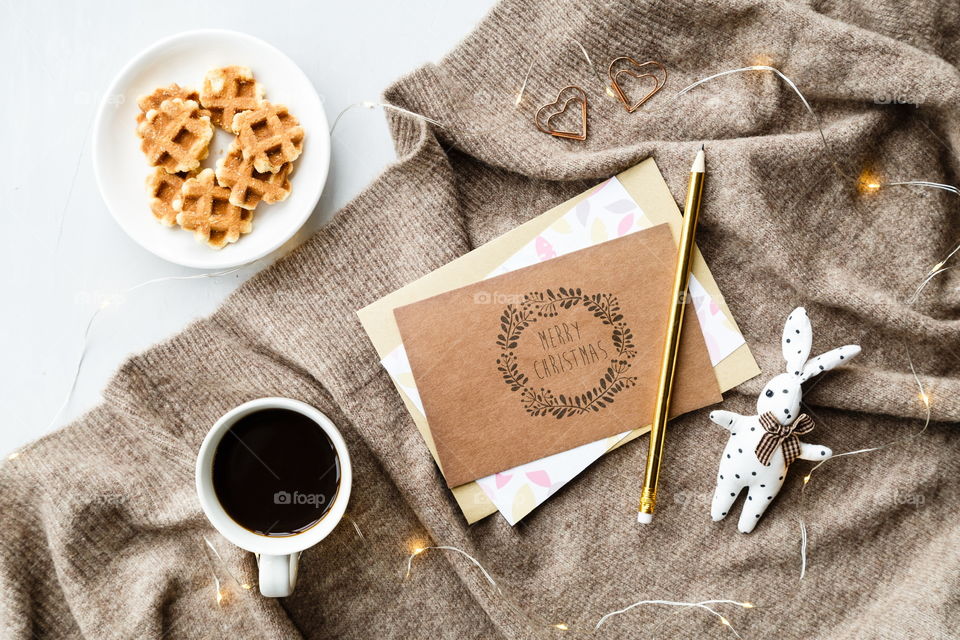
(644, 518)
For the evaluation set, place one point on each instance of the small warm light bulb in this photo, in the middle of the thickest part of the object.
(924, 398)
(610, 92)
(15, 454)
(806, 478)
(414, 552)
(219, 596)
(761, 60)
(105, 303)
(519, 97)
(868, 182)
(746, 605)
(368, 104)
(417, 545)
(247, 586)
(724, 621)
(562, 626)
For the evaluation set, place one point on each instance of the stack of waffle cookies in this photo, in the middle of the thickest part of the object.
(176, 125)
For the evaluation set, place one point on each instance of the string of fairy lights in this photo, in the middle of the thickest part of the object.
(704, 605)
(866, 183)
(924, 399)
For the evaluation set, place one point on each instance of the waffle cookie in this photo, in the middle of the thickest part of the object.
(228, 91)
(204, 208)
(155, 99)
(164, 188)
(269, 135)
(249, 186)
(175, 135)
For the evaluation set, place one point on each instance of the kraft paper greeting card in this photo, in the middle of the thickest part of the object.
(550, 357)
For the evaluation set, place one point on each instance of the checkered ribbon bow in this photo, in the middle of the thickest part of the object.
(776, 434)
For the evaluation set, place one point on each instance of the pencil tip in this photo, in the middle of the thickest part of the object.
(701, 146)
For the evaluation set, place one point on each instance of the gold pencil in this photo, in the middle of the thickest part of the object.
(671, 346)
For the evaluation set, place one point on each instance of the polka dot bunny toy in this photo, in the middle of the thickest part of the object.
(761, 447)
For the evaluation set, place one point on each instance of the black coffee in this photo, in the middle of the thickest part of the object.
(276, 472)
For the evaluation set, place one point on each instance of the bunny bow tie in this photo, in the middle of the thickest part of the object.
(776, 434)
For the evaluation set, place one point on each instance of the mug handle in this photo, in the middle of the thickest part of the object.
(278, 574)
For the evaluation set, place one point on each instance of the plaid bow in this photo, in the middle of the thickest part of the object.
(777, 434)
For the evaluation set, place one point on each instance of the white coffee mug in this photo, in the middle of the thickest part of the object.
(277, 557)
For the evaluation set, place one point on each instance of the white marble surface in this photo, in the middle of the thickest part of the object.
(62, 254)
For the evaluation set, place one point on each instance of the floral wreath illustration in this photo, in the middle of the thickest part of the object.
(547, 304)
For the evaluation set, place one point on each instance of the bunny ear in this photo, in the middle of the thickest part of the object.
(829, 360)
(797, 337)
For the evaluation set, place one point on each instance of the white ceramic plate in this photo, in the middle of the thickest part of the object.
(121, 168)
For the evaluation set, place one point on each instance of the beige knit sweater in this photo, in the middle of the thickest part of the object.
(102, 535)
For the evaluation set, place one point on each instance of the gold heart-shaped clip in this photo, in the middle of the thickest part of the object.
(546, 127)
(638, 72)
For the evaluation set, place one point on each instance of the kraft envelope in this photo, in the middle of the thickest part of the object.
(551, 356)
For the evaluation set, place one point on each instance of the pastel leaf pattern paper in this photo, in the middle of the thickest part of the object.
(582, 211)
(625, 225)
(523, 502)
(712, 346)
(720, 334)
(544, 249)
(539, 477)
(598, 232)
(621, 206)
(502, 479)
(398, 366)
(561, 226)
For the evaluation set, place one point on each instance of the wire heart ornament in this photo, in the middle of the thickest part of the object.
(546, 126)
(639, 71)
